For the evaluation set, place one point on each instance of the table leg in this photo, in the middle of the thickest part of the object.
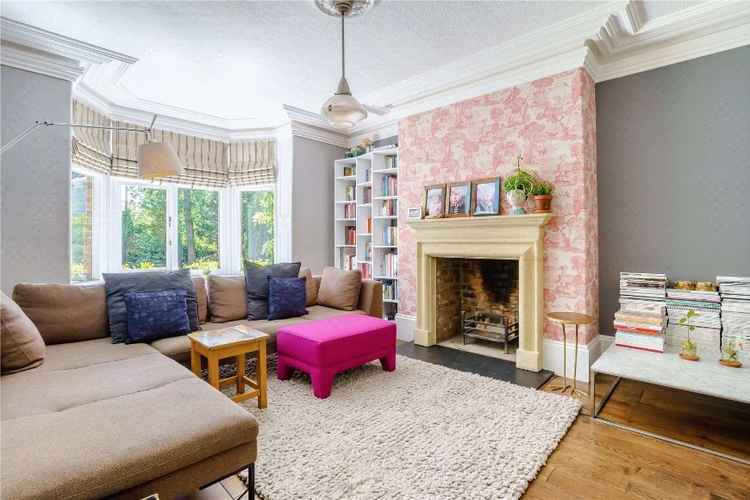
(213, 371)
(565, 359)
(262, 374)
(240, 373)
(592, 391)
(575, 362)
(195, 362)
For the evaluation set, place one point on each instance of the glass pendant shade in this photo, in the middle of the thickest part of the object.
(158, 159)
(342, 110)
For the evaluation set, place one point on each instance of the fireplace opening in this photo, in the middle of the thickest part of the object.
(477, 306)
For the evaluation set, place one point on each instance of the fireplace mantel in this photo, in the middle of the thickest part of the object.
(511, 237)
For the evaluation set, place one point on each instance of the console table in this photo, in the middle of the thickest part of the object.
(667, 369)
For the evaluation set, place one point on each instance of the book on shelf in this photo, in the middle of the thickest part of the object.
(350, 235)
(350, 211)
(390, 235)
(369, 225)
(365, 269)
(389, 185)
(636, 341)
(390, 264)
(390, 207)
(368, 250)
(391, 162)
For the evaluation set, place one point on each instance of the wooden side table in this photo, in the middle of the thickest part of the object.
(233, 342)
(569, 318)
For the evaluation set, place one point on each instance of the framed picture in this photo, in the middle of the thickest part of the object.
(485, 196)
(434, 201)
(458, 203)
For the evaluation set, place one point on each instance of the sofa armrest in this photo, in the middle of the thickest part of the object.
(371, 298)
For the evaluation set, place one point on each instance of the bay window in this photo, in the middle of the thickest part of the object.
(81, 227)
(143, 236)
(257, 216)
(198, 229)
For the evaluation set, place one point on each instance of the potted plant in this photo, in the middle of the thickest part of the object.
(689, 348)
(729, 353)
(542, 193)
(517, 188)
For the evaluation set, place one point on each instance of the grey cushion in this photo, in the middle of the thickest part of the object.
(118, 284)
(256, 285)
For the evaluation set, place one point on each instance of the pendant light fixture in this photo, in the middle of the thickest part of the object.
(342, 110)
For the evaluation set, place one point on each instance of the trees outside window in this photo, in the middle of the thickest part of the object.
(144, 227)
(257, 218)
(198, 229)
(81, 227)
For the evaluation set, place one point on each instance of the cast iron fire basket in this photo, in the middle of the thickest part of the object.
(489, 326)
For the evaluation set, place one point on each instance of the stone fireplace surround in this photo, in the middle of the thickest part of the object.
(504, 237)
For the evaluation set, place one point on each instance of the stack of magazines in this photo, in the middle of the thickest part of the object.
(735, 309)
(642, 319)
(707, 304)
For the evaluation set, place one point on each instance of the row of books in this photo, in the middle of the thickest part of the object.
(366, 270)
(735, 309)
(390, 207)
(641, 321)
(390, 236)
(350, 211)
(390, 264)
(390, 290)
(367, 253)
(389, 185)
(350, 235)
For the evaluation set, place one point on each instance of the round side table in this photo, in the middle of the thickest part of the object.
(569, 318)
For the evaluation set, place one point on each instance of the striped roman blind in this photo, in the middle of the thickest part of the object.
(207, 162)
(92, 147)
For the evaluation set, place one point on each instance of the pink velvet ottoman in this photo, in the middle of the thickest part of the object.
(323, 348)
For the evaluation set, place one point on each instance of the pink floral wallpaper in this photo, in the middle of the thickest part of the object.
(552, 122)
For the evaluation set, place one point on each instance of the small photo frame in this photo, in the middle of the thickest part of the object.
(414, 213)
(458, 199)
(485, 196)
(434, 201)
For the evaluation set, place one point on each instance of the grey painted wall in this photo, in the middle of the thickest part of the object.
(673, 147)
(35, 178)
(312, 202)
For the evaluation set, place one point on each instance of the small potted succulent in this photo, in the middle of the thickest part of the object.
(729, 353)
(689, 347)
(517, 189)
(542, 194)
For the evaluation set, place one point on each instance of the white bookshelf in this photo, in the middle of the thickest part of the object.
(372, 245)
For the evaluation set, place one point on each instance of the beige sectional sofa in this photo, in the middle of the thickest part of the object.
(99, 419)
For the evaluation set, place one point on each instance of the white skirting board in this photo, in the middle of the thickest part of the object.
(405, 326)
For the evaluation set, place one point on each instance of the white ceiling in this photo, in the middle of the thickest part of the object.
(239, 60)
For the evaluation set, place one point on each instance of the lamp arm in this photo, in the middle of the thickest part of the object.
(38, 124)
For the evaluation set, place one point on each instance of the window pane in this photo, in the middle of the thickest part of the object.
(144, 227)
(256, 209)
(81, 227)
(198, 229)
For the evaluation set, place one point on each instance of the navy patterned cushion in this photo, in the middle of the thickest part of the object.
(118, 284)
(286, 297)
(156, 315)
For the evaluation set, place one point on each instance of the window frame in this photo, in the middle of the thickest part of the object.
(98, 227)
(236, 222)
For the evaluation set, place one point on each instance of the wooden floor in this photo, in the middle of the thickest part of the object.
(598, 461)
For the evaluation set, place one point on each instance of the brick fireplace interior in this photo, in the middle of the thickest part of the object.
(466, 288)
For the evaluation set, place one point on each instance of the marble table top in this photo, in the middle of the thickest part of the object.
(667, 369)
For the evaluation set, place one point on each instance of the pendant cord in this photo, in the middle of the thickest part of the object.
(343, 59)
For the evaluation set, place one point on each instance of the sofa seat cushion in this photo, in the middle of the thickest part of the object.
(110, 445)
(323, 312)
(54, 391)
(90, 352)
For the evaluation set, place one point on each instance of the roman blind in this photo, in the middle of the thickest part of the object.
(92, 147)
(207, 162)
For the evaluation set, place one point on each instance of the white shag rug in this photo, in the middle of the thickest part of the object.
(422, 432)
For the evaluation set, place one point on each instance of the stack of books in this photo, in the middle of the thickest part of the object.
(707, 333)
(642, 319)
(735, 309)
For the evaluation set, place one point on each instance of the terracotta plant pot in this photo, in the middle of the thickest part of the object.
(542, 203)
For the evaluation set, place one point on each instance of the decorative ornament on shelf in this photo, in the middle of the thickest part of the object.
(518, 187)
(730, 353)
(689, 347)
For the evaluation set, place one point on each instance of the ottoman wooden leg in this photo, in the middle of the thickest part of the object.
(322, 380)
(388, 362)
(283, 370)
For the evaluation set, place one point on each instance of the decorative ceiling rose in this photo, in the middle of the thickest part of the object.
(342, 110)
(355, 7)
